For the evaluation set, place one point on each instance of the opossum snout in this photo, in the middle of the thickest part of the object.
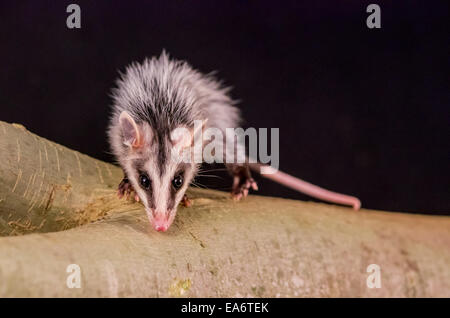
(161, 221)
(161, 227)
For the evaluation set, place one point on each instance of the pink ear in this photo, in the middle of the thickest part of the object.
(130, 130)
(181, 137)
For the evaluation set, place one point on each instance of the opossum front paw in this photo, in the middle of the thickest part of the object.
(125, 189)
(241, 188)
(186, 202)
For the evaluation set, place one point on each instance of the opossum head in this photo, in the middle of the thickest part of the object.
(159, 165)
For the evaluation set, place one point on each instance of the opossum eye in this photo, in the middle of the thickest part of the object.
(145, 181)
(177, 182)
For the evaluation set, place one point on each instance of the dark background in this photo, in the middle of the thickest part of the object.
(360, 111)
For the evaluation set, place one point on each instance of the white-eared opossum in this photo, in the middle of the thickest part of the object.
(151, 101)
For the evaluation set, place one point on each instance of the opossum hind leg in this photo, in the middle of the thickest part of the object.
(242, 181)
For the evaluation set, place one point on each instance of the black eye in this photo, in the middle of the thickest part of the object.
(177, 182)
(145, 181)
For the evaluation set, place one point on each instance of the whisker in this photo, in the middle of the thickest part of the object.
(210, 176)
(213, 170)
(198, 185)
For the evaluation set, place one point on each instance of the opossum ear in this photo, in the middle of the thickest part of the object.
(130, 131)
(183, 137)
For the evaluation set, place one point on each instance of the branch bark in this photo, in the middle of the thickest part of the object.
(47, 187)
(258, 247)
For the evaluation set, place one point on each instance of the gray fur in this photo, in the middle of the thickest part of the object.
(161, 94)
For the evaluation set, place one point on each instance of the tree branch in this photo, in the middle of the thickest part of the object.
(258, 247)
(47, 187)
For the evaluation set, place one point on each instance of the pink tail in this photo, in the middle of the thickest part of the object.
(307, 188)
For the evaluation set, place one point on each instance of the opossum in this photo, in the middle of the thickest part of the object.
(151, 101)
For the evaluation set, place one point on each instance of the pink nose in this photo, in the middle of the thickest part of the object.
(160, 224)
(160, 228)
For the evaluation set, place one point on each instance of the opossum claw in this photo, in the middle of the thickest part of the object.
(186, 202)
(241, 187)
(125, 188)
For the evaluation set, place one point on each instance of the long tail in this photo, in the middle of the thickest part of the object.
(305, 187)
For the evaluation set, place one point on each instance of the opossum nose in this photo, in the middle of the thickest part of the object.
(160, 228)
(161, 223)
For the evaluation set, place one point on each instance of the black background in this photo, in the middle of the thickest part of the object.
(360, 111)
